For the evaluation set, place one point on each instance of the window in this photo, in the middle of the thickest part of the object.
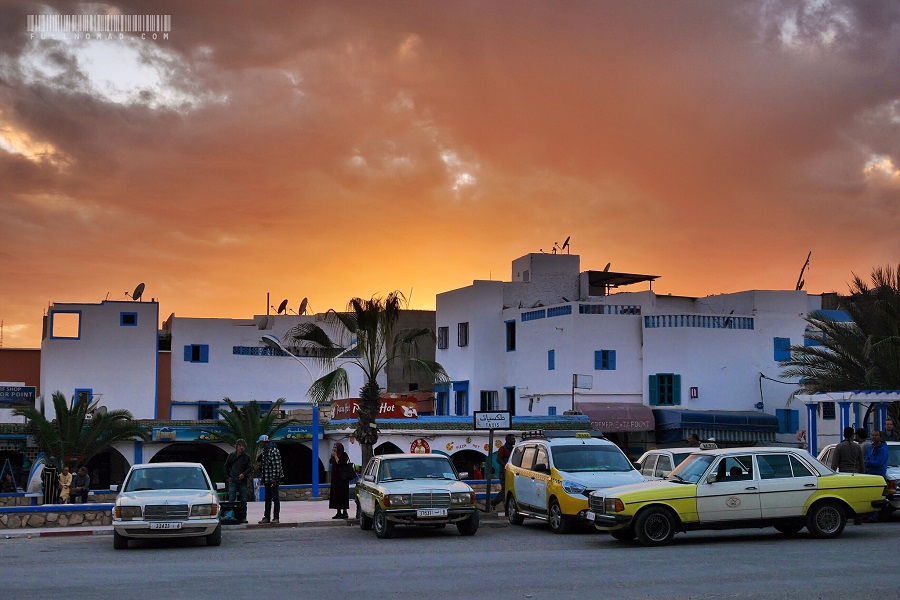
(441, 403)
(516, 458)
(828, 411)
(83, 395)
(664, 466)
(782, 349)
(649, 465)
(788, 420)
(65, 325)
(511, 400)
(196, 353)
(490, 400)
(541, 459)
(551, 360)
(207, 411)
(605, 360)
(800, 470)
(443, 338)
(462, 334)
(665, 389)
(127, 319)
(774, 466)
(462, 402)
(510, 336)
(551, 411)
(528, 457)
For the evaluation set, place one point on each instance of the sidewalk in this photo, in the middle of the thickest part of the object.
(309, 513)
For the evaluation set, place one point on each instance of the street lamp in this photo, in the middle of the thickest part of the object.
(275, 344)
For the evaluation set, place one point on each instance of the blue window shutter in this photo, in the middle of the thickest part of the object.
(204, 353)
(551, 411)
(551, 360)
(676, 389)
(782, 419)
(187, 353)
(598, 359)
(654, 390)
(793, 421)
(782, 349)
(612, 360)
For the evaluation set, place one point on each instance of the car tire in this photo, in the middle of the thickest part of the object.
(623, 535)
(655, 526)
(559, 523)
(365, 521)
(512, 512)
(789, 528)
(826, 519)
(215, 538)
(120, 542)
(468, 526)
(384, 529)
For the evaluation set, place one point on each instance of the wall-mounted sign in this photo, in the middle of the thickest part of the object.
(497, 419)
(17, 395)
(420, 446)
(388, 408)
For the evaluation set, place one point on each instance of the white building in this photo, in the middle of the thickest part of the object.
(712, 363)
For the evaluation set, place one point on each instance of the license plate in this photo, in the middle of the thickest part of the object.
(165, 525)
(589, 516)
(431, 512)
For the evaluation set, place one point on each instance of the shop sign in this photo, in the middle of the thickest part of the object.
(17, 395)
(420, 446)
(388, 408)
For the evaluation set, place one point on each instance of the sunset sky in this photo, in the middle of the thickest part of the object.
(336, 149)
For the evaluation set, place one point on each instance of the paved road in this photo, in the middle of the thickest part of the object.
(500, 561)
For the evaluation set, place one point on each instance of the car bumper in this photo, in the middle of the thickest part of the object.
(190, 528)
(611, 522)
(410, 516)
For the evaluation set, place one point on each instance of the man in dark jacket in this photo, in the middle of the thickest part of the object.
(81, 483)
(848, 456)
(876, 464)
(238, 468)
(271, 473)
(503, 455)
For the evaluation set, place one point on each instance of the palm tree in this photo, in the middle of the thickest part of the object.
(248, 423)
(73, 434)
(366, 339)
(863, 354)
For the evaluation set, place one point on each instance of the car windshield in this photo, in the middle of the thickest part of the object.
(416, 468)
(575, 459)
(691, 469)
(166, 478)
(894, 455)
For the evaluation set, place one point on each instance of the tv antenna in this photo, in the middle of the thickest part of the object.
(137, 293)
(800, 281)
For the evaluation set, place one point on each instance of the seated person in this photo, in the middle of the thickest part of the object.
(81, 484)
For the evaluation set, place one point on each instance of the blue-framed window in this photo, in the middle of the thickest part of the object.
(207, 411)
(461, 398)
(828, 411)
(196, 353)
(65, 325)
(665, 389)
(605, 360)
(551, 360)
(788, 420)
(441, 397)
(551, 411)
(82, 395)
(128, 319)
(510, 336)
(782, 348)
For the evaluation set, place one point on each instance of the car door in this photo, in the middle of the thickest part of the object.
(365, 486)
(524, 478)
(729, 491)
(785, 484)
(541, 477)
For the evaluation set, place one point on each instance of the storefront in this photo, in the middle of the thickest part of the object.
(727, 428)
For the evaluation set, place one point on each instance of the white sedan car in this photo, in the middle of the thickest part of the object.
(164, 500)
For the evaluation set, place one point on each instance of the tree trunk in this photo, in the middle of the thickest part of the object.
(366, 428)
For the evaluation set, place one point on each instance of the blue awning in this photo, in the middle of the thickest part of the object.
(673, 425)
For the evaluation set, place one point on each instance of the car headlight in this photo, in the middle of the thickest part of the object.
(572, 487)
(128, 512)
(395, 500)
(204, 510)
(462, 498)
(613, 505)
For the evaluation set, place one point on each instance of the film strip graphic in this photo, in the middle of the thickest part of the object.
(99, 23)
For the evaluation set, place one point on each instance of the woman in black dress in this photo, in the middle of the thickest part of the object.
(340, 484)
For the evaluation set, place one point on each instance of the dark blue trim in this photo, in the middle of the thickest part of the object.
(48, 508)
(123, 316)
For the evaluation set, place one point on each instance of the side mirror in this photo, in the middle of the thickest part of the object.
(541, 468)
(712, 478)
(637, 466)
(368, 478)
(463, 475)
(114, 488)
(220, 486)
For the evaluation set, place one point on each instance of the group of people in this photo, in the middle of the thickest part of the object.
(239, 472)
(856, 453)
(64, 487)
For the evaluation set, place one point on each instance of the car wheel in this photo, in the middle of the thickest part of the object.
(512, 512)
(384, 529)
(655, 527)
(215, 538)
(120, 542)
(468, 526)
(789, 529)
(559, 523)
(365, 521)
(623, 535)
(826, 519)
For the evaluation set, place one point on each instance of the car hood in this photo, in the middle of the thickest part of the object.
(409, 486)
(893, 473)
(649, 490)
(595, 480)
(167, 497)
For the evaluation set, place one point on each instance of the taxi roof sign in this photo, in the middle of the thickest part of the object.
(708, 446)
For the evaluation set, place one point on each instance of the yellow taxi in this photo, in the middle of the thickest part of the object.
(783, 488)
(551, 478)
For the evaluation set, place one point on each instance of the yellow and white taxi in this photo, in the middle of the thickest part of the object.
(414, 489)
(550, 478)
(783, 488)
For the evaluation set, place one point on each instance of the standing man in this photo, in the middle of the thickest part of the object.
(503, 455)
(890, 434)
(271, 474)
(862, 436)
(876, 464)
(693, 440)
(50, 479)
(848, 456)
(238, 468)
(81, 483)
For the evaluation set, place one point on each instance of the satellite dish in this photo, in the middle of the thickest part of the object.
(282, 306)
(606, 268)
(138, 291)
(566, 243)
(100, 411)
(303, 306)
(263, 322)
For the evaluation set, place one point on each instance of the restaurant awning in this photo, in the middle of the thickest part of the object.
(611, 417)
(674, 425)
